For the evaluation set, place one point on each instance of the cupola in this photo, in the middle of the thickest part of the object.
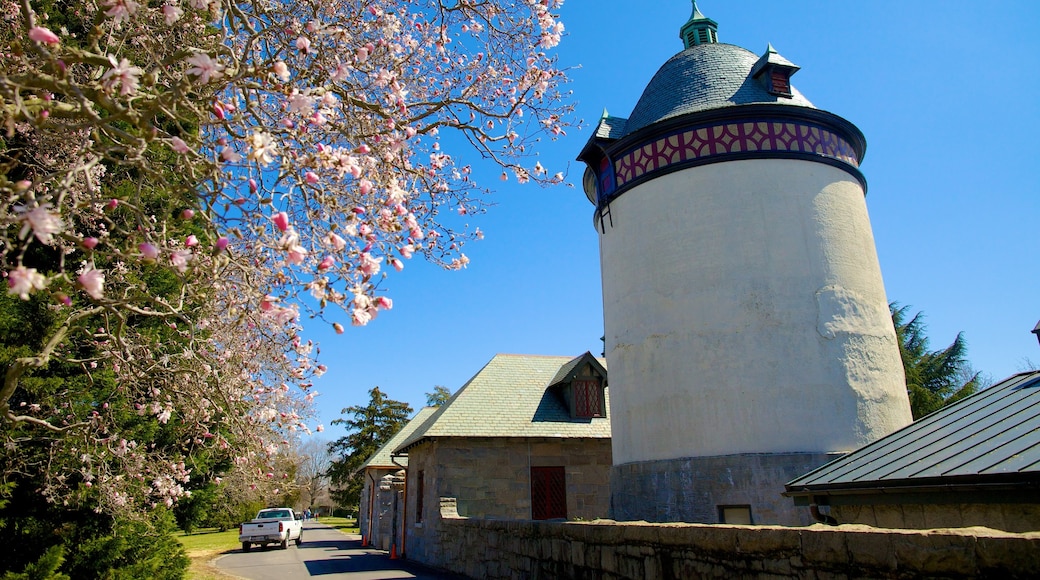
(699, 29)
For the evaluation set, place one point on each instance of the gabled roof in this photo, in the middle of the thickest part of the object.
(990, 439)
(568, 371)
(510, 397)
(381, 458)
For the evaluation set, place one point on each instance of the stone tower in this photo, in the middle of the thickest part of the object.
(748, 335)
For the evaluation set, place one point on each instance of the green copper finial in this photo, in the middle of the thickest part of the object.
(699, 29)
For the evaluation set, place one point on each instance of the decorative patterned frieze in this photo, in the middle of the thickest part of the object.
(722, 141)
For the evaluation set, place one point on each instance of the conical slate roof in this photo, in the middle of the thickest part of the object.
(701, 78)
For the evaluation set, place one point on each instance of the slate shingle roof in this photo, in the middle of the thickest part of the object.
(703, 77)
(509, 397)
(991, 437)
(381, 458)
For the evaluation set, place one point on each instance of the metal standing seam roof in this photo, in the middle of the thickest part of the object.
(704, 77)
(381, 458)
(992, 436)
(510, 397)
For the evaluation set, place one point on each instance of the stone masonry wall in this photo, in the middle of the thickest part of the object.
(608, 550)
(491, 479)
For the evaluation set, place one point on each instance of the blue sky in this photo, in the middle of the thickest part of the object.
(946, 93)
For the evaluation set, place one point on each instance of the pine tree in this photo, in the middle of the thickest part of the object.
(934, 379)
(371, 427)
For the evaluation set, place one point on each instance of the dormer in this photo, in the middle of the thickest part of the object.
(774, 72)
(582, 383)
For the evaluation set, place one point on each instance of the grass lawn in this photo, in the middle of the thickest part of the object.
(202, 547)
(345, 525)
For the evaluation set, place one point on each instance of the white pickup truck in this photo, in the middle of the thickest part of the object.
(272, 526)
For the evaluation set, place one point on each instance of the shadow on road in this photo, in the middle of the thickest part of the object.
(348, 556)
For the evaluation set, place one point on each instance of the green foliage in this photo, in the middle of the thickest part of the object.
(46, 568)
(934, 379)
(438, 397)
(370, 427)
(45, 540)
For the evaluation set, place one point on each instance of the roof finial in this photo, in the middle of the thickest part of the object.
(699, 29)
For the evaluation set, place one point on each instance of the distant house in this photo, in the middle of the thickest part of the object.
(974, 463)
(526, 438)
(380, 496)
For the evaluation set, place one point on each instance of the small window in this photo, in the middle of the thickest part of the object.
(588, 399)
(735, 514)
(781, 82)
(419, 495)
(548, 493)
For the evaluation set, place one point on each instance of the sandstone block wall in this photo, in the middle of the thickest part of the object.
(608, 550)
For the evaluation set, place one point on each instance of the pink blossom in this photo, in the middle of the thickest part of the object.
(397, 264)
(187, 214)
(42, 222)
(407, 250)
(327, 263)
(92, 281)
(384, 303)
(180, 259)
(319, 428)
(222, 243)
(262, 147)
(281, 221)
(113, 203)
(267, 304)
(303, 44)
(44, 35)
(123, 74)
(22, 281)
(369, 265)
(281, 70)
(337, 327)
(230, 155)
(336, 241)
(171, 13)
(365, 187)
(179, 146)
(148, 251)
(204, 67)
(90, 243)
(120, 10)
(311, 177)
(191, 241)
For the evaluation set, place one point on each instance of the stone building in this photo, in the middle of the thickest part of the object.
(381, 494)
(973, 463)
(527, 437)
(747, 327)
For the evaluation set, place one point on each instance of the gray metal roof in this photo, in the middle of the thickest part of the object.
(992, 436)
(610, 127)
(381, 458)
(510, 397)
(703, 77)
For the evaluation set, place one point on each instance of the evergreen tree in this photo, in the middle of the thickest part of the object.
(937, 378)
(371, 427)
(438, 397)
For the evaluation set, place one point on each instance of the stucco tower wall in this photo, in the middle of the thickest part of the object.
(745, 313)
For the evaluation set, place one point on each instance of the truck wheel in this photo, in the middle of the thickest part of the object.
(246, 546)
(299, 539)
(285, 544)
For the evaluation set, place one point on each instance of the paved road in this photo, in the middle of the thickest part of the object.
(325, 552)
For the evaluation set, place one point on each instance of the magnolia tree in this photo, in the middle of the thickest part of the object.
(182, 180)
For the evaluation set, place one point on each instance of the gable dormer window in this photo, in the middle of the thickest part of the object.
(774, 73)
(588, 398)
(581, 386)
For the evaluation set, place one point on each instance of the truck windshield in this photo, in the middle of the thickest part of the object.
(275, 514)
